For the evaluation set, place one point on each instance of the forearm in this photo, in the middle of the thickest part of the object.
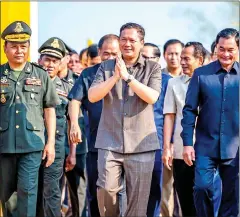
(146, 93)
(50, 123)
(99, 91)
(168, 129)
(73, 111)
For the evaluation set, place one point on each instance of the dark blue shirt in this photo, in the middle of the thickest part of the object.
(213, 97)
(80, 92)
(158, 108)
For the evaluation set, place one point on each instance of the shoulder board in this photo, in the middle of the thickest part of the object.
(39, 66)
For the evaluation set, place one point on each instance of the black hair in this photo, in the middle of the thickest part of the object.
(228, 33)
(82, 52)
(92, 51)
(156, 50)
(199, 50)
(170, 42)
(139, 28)
(105, 38)
(213, 45)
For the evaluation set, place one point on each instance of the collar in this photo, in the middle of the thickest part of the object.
(185, 78)
(235, 66)
(140, 60)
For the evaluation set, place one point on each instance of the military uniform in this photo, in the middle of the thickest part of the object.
(76, 178)
(49, 195)
(22, 102)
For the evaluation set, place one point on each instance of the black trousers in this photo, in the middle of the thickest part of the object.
(184, 181)
(73, 181)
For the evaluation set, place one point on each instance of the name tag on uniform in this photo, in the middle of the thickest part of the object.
(61, 92)
(33, 81)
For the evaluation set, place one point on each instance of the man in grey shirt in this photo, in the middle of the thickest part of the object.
(127, 136)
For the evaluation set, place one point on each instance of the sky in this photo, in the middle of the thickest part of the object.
(76, 22)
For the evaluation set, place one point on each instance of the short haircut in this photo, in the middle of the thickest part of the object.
(82, 52)
(156, 50)
(139, 28)
(105, 38)
(228, 33)
(92, 51)
(213, 45)
(199, 50)
(170, 42)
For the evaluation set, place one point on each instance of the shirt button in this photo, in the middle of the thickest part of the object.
(0, 128)
(17, 97)
(126, 99)
(32, 89)
(34, 128)
(3, 91)
(17, 111)
(57, 131)
(125, 114)
(225, 88)
(224, 100)
(18, 83)
(17, 126)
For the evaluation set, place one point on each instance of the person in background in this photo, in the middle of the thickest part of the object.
(152, 52)
(170, 204)
(49, 193)
(92, 55)
(83, 58)
(74, 63)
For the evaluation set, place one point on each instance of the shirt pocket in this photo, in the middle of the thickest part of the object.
(5, 96)
(32, 94)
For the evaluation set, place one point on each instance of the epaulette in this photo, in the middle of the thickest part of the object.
(37, 65)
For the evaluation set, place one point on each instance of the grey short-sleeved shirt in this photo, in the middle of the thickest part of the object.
(127, 122)
(173, 103)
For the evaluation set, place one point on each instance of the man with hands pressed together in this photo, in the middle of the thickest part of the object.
(127, 137)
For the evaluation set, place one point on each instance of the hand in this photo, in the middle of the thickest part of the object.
(121, 68)
(188, 155)
(49, 152)
(70, 162)
(75, 133)
(167, 158)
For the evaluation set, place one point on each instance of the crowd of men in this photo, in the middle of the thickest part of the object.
(109, 133)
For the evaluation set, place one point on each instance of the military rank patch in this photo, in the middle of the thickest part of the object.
(4, 81)
(61, 92)
(33, 81)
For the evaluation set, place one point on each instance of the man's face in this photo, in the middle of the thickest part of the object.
(17, 53)
(93, 61)
(148, 53)
(51, 64)
(172, 55)
(84, 60)
(109, 50)
(130, 43)
(64, 62)
(74, 63)
(188, 62)
(227, 51)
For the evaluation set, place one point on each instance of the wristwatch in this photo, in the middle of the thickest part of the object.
(130, 78)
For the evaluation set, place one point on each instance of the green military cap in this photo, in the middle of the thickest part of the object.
(17, 31)
(53, 47)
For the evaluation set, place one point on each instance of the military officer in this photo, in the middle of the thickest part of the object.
(27, 97)
(51, 53)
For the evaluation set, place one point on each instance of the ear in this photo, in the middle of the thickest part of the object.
(201, 60)
(99, 51)
(39, 60)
